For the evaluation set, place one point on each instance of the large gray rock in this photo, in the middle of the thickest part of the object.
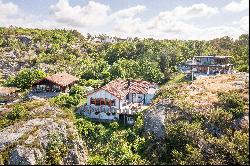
(12, 133)
(30, 139)
(25, 39)
(154, 122)
(24, 156)
(160, 114)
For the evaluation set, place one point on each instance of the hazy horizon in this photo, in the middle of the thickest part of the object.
(184, 20)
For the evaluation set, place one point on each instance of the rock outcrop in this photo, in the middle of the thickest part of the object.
(202, 93)
(22, 155)
(27, 142)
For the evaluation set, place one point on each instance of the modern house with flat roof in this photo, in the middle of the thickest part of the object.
(208, 65)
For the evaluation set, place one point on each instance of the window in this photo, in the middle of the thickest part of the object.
(113, 103)
(55, 88)
(124, 104)
(41, 87)
(130, 119)
(100, 101)
(92, 101)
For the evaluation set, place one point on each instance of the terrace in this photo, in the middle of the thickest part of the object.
(129, 109)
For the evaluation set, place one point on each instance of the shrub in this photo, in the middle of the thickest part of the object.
(220, 118)
(77, 90)
(66, 101)
(97, 160)
(25, 78)
(111, 143)
(56, 149)
(232, 102)
(18, 112)
(178, 78)
(91, 82)
(113, 125)
(191, 156)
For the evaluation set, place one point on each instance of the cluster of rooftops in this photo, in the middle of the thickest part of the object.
(62, 82)
(118, 96)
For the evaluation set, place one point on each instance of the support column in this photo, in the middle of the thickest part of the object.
(207, 70)
(124, 119)
(119, 104)
(144, 102)
(229, 70)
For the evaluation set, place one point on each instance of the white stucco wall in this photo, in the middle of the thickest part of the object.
(139, 98)
(136, 98)
(130, 97)
(122, 101)
(148, 98)
(150, 94)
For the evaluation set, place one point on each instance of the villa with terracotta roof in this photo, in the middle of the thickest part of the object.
(61, 82)
(119, 100)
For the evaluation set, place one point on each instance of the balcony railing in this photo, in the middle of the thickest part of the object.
(106, 109)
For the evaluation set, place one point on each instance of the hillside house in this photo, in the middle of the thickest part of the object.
(8, 94)
(119, 100)
(61, 82)
(208, 65)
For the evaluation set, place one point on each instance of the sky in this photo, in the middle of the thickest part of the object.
(159, 19)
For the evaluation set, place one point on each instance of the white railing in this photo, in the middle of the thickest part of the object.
(107, 109)
(101, 108)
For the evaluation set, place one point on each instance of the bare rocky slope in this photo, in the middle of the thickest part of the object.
(46, 136)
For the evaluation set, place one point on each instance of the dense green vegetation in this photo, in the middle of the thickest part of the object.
(57, 150)
(113, 143)
(107, 143)
(206, 139)
(98, 63)
(18, 112)
(209, 137)
(25, 78)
